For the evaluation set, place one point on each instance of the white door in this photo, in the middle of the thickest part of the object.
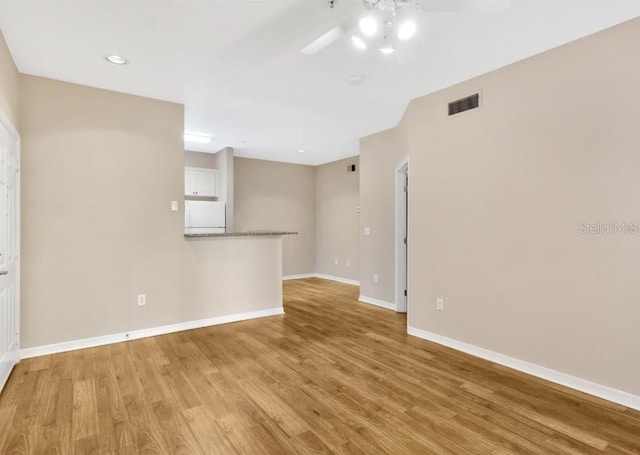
(402, 236)
(9, 250)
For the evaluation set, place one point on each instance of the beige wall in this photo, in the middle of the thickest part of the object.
(99, 170)
(380, 154)
(200, 159)
(337, 221)
(497, 196)
(8, 84)
(281, 196)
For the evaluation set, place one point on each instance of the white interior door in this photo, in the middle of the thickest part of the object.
(9, 249)
(402, 236)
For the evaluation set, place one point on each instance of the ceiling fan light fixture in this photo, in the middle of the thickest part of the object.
(358, 42)
(368, 26)
(387, 49)
(407, 29)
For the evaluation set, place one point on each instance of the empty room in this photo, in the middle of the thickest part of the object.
(348, 227)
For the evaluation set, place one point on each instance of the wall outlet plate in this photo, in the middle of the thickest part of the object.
(142, 299)
(440, 304)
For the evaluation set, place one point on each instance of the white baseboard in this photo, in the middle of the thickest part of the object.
(377, 302)
(298, 277)
(143, 333)
(337, 278)
(582, 385)
(323, 276)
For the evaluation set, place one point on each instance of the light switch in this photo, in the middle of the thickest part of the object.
(367, 231)
(174, 206)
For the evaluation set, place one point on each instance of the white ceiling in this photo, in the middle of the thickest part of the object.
(235, 64)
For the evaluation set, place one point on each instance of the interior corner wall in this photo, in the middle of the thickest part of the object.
(99, 172)
(337, 219)
(8, 84)
(225, 160)
(380, 154)
(279, 196)
(200, 159)
(523, 214)
(99, 169)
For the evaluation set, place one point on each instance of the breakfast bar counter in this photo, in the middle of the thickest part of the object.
(264, 233)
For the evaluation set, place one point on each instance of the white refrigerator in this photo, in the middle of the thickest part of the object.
(204, 217)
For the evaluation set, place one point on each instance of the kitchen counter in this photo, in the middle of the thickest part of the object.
(264, 233)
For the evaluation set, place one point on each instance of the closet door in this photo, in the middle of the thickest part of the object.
(9, 252)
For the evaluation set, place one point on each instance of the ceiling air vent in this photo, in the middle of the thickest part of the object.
(464, 104)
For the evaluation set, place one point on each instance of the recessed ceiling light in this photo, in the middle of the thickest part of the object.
(301, 150)
(368, 26)
(199, 138)
(358, 42)
(116, 59)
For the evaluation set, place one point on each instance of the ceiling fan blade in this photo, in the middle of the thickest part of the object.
(320, 43)
(329, 37)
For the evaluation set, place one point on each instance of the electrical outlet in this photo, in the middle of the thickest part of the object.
(335, 261)
(440, 304)
(142, 299)
(348, 263)
(375, 278)
(367, 231)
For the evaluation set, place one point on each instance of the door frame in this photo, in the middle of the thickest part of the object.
(402, 253)
(6, 122)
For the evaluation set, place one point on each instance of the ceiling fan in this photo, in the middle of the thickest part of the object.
(384, 23)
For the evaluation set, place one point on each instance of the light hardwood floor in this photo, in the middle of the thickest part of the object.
(330, 376)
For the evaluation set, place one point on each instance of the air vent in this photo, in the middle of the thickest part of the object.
(464, 104)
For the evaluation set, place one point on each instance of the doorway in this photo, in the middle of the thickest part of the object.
(9, 248)
(402, 235)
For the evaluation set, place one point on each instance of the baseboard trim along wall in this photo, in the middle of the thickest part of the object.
(377, 302)
(582, 385)
(337, 278)
(144, 333)
(323, 276)
(298, 277)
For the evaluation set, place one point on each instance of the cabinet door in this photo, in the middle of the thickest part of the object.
(200, 182)
(206, 183)
(188, 184)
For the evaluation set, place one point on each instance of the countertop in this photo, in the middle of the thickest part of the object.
(242, 234)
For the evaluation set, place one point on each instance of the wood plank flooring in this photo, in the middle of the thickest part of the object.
(331, 376)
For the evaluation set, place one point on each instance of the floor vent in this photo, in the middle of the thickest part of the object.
(464, 104)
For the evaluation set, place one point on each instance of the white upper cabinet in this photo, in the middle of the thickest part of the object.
(200, 182)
